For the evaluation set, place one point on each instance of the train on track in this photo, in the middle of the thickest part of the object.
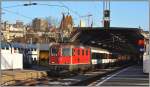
(74, 57)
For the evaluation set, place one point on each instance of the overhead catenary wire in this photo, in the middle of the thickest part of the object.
(16, 13)
(75, 12)
(79, 16)
(45, 4)
(55, 5)
(13, 6)
(37, 4)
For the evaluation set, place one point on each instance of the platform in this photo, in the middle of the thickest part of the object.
(9, 77)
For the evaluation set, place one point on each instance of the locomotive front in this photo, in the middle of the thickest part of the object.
(70, 57)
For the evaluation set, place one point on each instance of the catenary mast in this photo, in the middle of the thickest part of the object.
(106, 14)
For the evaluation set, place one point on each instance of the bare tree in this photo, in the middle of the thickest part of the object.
(53, 22)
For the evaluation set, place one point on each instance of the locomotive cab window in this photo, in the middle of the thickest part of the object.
(66, 52)
(54, 51)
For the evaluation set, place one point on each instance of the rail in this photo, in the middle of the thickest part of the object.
(94, 78)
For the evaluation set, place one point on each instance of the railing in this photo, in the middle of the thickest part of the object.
(74, 35)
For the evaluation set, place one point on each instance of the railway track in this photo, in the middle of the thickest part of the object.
(130, 76)
(82, 79)
(96, 77)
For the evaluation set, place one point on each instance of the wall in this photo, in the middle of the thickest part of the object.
(11, 61)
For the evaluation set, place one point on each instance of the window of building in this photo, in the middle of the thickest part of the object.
(15, 48)
(3, 47)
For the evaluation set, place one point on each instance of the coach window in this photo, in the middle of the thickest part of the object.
(106, 56)
(7, 48)
(31, 49)
(66, 52)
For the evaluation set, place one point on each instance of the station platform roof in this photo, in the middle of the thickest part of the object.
(116, 39)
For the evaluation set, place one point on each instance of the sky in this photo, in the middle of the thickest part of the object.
(123, 13)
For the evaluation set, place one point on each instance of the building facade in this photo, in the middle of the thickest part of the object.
(39, 24)
(11, 31)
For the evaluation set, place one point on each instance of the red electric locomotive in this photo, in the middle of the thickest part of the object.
(70, 57)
